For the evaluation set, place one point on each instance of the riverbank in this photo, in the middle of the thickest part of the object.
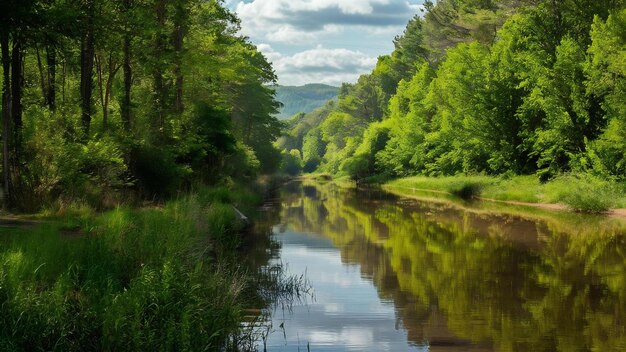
(582, 193)
(160, 277)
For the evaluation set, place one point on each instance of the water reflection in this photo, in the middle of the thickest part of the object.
(414, 273)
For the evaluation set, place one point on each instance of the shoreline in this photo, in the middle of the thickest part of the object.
(612, 212)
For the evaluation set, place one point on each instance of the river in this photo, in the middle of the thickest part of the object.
(390, 273)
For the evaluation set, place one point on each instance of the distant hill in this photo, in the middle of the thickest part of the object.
(303, 99)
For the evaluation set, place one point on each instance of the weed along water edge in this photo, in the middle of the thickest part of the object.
(165, 277)
(395, 274)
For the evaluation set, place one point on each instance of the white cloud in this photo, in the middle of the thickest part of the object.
(330, 66)
(353, 33)
(289, 21)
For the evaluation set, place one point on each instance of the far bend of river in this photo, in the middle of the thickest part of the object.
(398, 274)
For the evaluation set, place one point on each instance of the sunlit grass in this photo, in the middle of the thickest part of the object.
(147, 279)
(581, 192)
(462, 186)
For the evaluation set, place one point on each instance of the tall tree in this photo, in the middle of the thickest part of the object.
(87, 53)
(160, 95)
(181, 15)
(127, 68)
(6, 113)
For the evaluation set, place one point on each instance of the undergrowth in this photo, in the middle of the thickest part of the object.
(160, 278)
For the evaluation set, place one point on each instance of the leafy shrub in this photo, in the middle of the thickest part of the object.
(467, 190)
(582, 192)
(357, 167)
(312, 164)
(156, 171)
(291, 162)
(243, 163)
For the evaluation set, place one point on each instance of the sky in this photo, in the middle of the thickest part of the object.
(323, 41)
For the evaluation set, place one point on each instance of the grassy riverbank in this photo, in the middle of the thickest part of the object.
(583, 193)
(165, 277)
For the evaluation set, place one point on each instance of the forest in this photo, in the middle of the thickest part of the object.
(102, 99)
(140, 138)
(502, 88)
(130, 131)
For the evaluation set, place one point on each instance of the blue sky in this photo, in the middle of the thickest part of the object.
(323, 41)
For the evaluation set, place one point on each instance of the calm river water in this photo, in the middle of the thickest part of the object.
(397, 274)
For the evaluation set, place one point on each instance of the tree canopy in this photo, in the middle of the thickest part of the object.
(494, 87)
(104, 97)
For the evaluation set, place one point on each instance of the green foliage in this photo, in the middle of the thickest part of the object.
(465, 187)
(357, 167)
(211, 143)
(139, 279)
(363, 163)
(243, 164)
(485, 87)
(407, 125)
(291, 162)
(156, 171)
(111, 100)
(607, 81)
(583, 192)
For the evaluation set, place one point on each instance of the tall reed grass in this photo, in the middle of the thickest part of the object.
(129, 280)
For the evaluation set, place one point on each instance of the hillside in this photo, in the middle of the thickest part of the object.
(473, 87)
(303, 99)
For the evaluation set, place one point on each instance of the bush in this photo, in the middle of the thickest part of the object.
(312, 164)
(357, 167)
(583, 193)
(467, 190)
(465, 187)
(68, 170)
(243, 163)
(156, 171)
(291, 162)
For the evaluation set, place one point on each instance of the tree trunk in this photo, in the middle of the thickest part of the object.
(63, 76)
(6, 117)
(16, 98)
(51, 59)
(87, 52)
(128, 75)
(98, 63)
(159, 85)
(177, 40)
(113, 67)
(42, 79)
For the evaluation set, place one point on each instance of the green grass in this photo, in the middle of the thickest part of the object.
(518, 188)
(580, 192)
(463, 186)
(159, 278)
(585, 193)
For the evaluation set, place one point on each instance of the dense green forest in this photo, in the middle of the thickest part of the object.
(303, 99)
(132, 129)
(106, 99)
(494, 87)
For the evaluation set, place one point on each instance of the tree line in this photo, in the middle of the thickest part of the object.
(484, 87)
(104, 97)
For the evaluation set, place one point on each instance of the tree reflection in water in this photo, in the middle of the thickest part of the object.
(468, 278)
